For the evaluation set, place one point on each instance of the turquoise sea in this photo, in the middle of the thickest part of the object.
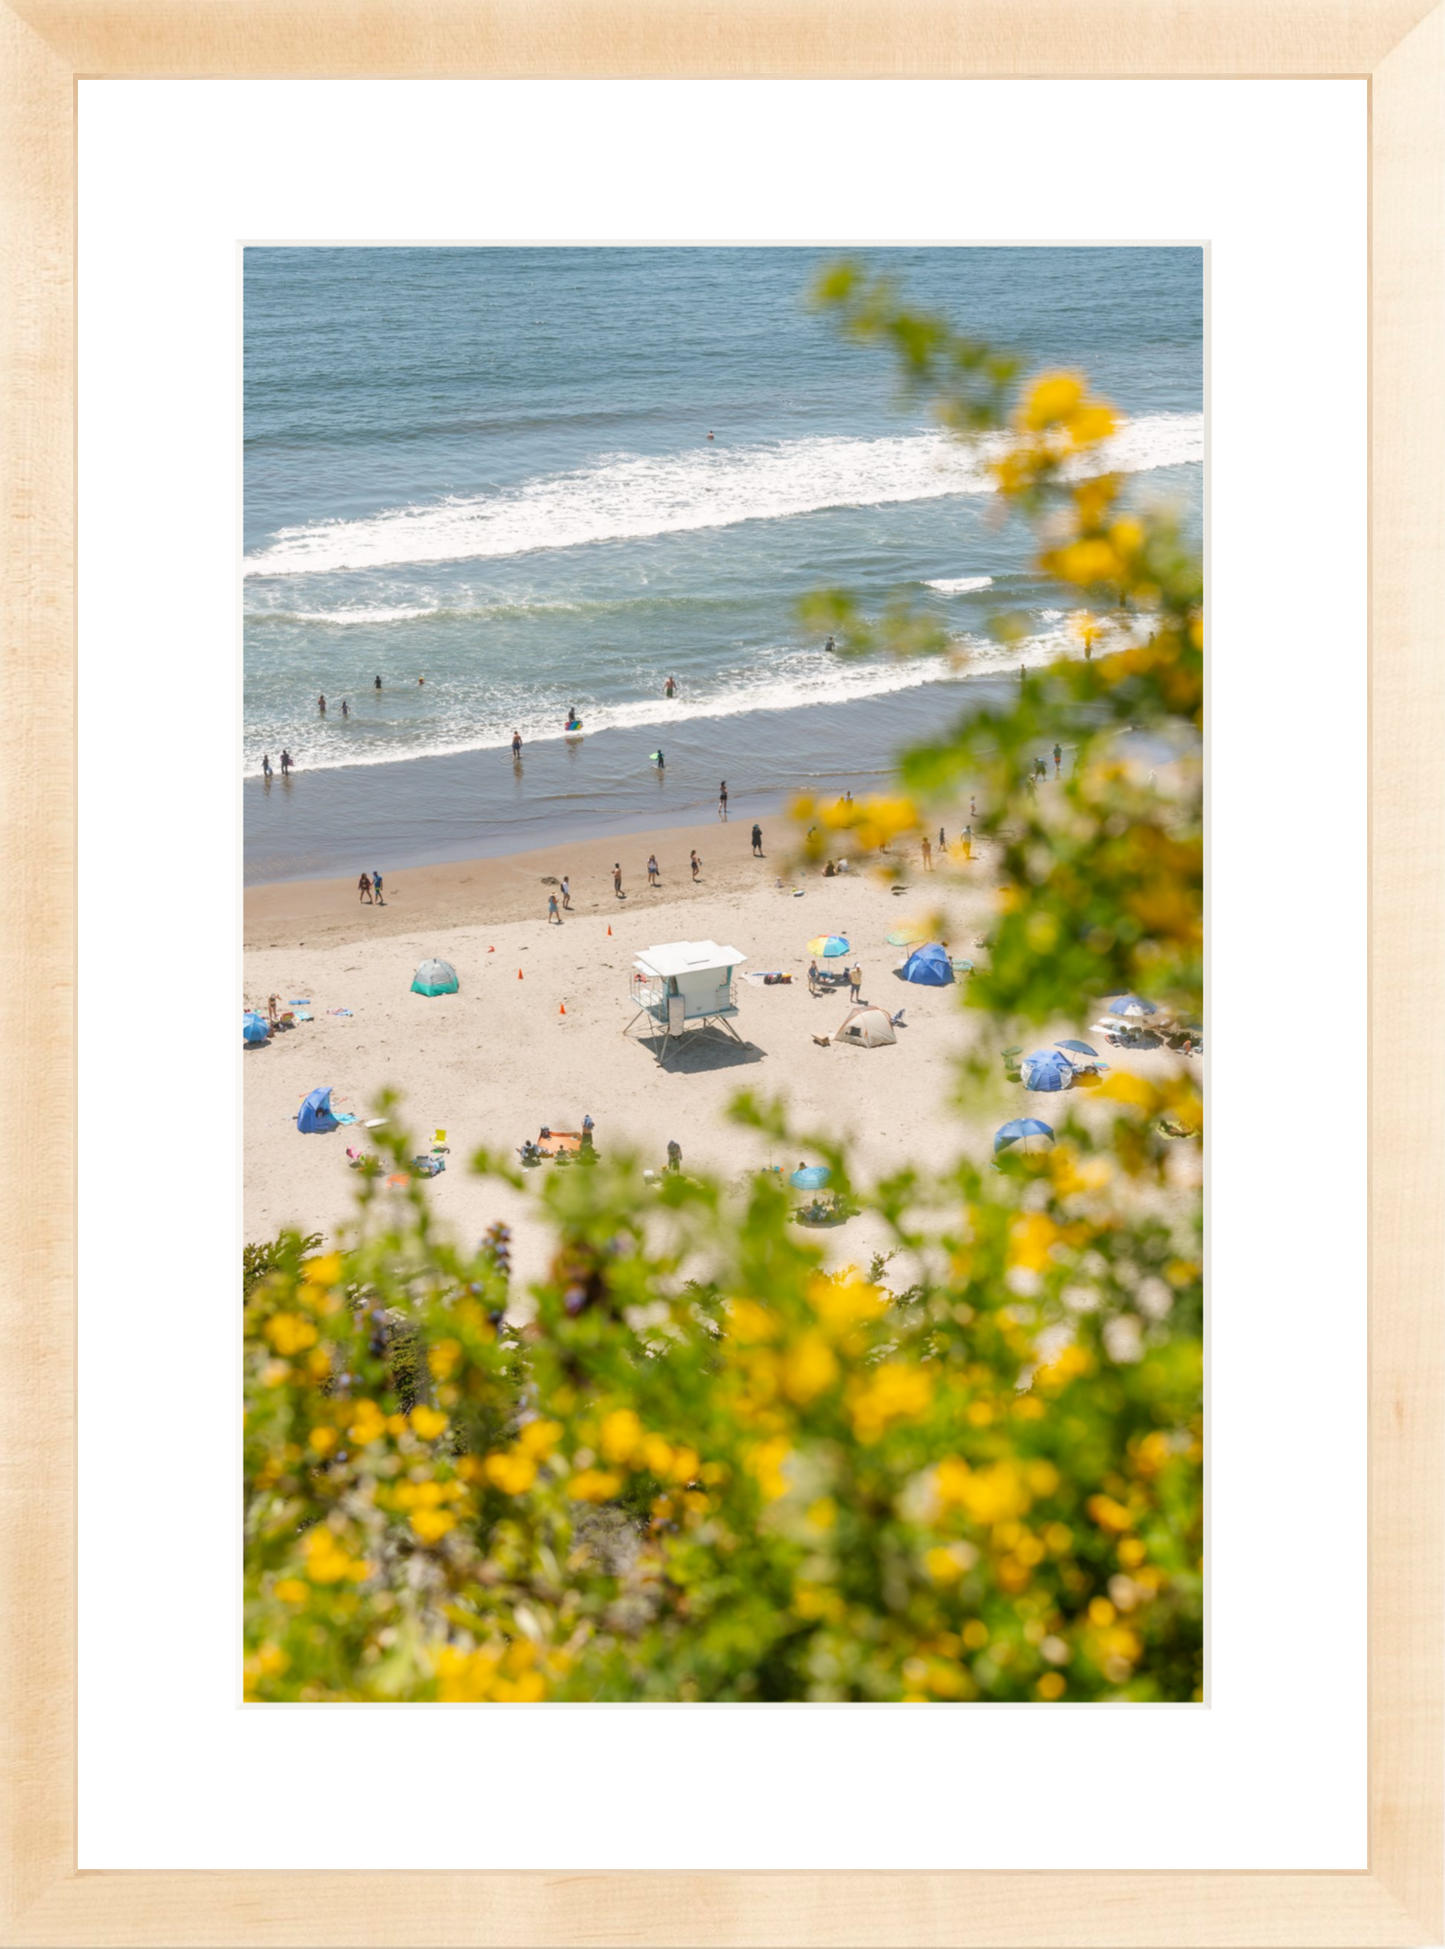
(491, 469)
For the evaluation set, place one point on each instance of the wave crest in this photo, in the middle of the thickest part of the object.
(632, 496)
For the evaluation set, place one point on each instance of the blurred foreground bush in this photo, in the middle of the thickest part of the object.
(769, 1482)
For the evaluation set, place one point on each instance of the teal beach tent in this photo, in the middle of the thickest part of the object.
(434, 978)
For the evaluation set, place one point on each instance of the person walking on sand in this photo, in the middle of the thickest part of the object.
(927, 855)
(968, 842)
(1058, 758)
(516, 744)
(566, 894)
(552, 913)
(758, 842)
(722, 800)
(812, 977)
(617, 880)
(376, 888)
(321, 703)
(972, 809)
(652, 874)
(855, 984)
(265, 764)
(942, 842)
(674, 1155)
(364, 884)
(696, 865)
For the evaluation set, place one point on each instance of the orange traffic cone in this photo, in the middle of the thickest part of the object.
(519, 974)
(609, 927)
(563, 1009)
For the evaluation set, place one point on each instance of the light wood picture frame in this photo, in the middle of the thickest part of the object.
(1398, 46)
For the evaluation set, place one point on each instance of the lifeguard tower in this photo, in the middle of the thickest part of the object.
(682, 987)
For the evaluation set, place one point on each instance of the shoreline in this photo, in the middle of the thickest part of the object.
(501, 888)
(428, 811)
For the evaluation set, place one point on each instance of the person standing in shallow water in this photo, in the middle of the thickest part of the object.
(722, 800)
(345, 708)
(376, 683)
(516, 744)
(265, 764)
(321, 703)
(286, 762)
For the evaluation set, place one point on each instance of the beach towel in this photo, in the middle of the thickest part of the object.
(338, 1011)
(345, 1116)
(301, 1001)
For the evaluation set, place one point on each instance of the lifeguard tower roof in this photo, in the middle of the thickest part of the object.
(687, 957)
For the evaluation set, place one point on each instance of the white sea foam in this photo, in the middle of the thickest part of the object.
(628, 496)
(960, 585)
(790, 680)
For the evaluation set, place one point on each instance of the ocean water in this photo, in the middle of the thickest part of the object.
(491, 469)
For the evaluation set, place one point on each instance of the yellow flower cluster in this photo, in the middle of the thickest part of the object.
(896, 1391)
(494, 1674)
(329, 1562)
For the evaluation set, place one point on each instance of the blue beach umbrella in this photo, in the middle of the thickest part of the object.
(929, 966)
(1130, 1005)
(1046, 1069)
(810, 1177)
(1079, 1049)
(254, 1027)
(829, 944)
(1019, 1132)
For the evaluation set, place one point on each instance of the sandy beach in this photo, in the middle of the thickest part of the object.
(498, 1060)
(535, 1035)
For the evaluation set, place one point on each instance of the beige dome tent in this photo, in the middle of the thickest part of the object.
(868, 1027)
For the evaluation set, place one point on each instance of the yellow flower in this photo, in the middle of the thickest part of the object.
(1051, 1685)
(511, 1472)
(595, 1485)
(989, 1495)
(809, 1369)
(896, 1391)
(843, 1301)
(942, 1565)
(443, 1357)
(326, 1560)
(431, 1525)
(815, 1601)
(766, 1461)
(538, 1438)
(324, 1271)
(620, 1435)
(428, 1423)
(291, 1590)
(1053, 397)
(323, 1440)
(1109, 1514)
(751, 1322)
(368, 1424)
(289, 1333)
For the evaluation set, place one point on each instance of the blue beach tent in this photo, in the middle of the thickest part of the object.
(1130, 1005)
(1020, 1131)
(315, 1113)
(929, 966)
(254, 1027)
(810, 1177)
(434, 978)
(1046, 1069)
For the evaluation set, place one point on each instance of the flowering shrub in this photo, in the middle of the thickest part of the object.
(775, 1482)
